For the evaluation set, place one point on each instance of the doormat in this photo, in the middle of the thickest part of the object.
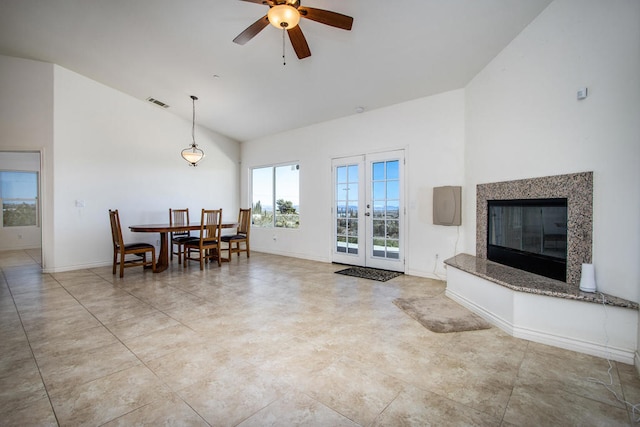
(441, 314)
(370, 273)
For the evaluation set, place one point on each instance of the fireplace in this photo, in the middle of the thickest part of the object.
(575, 191)
(529, 234)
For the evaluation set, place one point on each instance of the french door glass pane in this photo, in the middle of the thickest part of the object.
(377, 171)
(393, 170)
(393, 190)
(346, 204)
(386, 201)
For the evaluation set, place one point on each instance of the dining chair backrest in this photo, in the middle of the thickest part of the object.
(120, 249)
(244, 222)
(207, 246)
(239, 242)
(178, 237)
(179, 217)
(210, 225)
(116, 231)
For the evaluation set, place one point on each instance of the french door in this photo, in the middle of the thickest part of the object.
(368, 210)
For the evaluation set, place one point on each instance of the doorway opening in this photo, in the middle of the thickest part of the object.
(20, 198)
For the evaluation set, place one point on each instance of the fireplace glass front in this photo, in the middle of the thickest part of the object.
(529, 234)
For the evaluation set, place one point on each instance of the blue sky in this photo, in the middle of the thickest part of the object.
(18, 185)
(287, 183)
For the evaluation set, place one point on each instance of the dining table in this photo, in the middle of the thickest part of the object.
(164, 230)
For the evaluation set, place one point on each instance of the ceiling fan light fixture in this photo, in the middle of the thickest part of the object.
(283, 16)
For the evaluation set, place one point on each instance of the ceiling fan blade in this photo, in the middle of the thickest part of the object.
(265, 2)
(327, 17)
(299, 42)
(252, 30)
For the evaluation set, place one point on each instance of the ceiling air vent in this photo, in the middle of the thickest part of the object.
(155, 101)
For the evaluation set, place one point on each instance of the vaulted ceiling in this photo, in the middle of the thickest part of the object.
(168, 50)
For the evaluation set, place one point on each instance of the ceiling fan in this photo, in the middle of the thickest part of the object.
(285, 14)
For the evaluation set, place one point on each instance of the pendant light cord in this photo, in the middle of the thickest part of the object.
(193, 122)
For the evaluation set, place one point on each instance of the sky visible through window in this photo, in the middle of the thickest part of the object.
(287, 185)
(19, 194)
(18, 185)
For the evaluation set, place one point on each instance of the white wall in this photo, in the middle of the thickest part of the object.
(114, 151)
(523, 121)
(431, 130)
(26, 237)
(26, 123)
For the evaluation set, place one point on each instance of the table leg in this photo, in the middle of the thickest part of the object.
(163, 258)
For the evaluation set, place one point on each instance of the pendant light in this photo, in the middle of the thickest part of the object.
(193, 154)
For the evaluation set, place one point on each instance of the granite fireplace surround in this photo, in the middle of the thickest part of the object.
(577, 188)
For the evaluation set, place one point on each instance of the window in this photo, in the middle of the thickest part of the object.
(19, 196)
(275, 196)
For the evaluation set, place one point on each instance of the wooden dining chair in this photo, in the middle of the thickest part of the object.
(178, 238)
(121, 250)
(241, 235)
(207, 246)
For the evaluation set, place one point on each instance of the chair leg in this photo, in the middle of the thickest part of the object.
(202, 255)
(115, 261)
(121, 264)
(246, 244)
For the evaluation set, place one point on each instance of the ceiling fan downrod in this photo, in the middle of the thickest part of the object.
(284, 30)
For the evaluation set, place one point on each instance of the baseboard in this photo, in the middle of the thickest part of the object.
(77, 267)
(594, 349)
(427, 274)
(291, 255)
(16, 247)
(480, 311)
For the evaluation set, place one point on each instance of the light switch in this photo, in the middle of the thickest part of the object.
(583, 93)
(79, 203)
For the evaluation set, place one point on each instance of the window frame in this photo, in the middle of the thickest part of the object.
(273, 224)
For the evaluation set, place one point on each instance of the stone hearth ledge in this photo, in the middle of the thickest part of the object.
(544, 310)
(523, 281)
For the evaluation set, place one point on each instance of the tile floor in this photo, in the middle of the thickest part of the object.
(271, 341)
